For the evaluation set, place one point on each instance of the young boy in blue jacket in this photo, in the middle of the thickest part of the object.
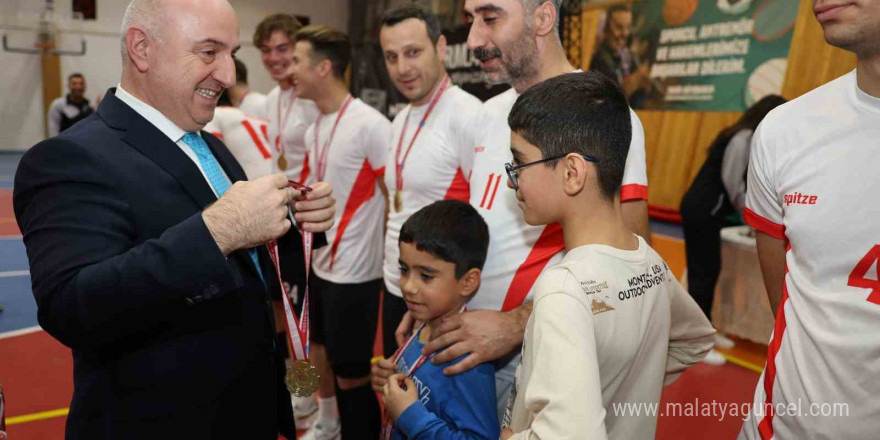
(442, 251)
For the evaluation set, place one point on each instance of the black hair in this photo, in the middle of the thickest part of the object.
(75, 75)
(749, 120)
(582, 112)
(755, 114)
(397, 15)
(240, 71)
(450, 230)
(328, 43)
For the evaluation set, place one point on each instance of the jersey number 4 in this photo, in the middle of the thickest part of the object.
(857, 276)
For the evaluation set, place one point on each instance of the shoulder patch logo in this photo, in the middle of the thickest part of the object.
(598, 306)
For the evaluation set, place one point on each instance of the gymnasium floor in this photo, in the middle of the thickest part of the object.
(36, 370)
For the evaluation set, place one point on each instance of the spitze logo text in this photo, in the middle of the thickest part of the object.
(799, 199)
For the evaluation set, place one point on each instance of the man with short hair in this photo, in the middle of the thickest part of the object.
(288, 115)
(241, 96)
(70, 109)
(348, 147)
(517, 43)
(432, 138)
(146, 244)
(812, 199)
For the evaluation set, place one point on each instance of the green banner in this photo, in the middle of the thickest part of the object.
(690, 55)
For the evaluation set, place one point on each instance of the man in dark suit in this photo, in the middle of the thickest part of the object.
(145, 244)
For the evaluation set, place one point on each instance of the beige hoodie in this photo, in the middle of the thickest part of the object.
(608, 326)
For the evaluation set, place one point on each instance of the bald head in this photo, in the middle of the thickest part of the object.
(178, 56)
(147, 14)
(153, 16)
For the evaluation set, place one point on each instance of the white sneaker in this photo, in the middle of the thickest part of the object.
(714, 358)
(305, 411)
(319, 432)
(723, 342)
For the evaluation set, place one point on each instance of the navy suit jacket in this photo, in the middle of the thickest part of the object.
(170, 338)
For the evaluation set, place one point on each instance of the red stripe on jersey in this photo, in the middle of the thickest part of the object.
(256, 138)
(217, 135)
(633, 191)
(363, 190)
(494, 191)
(486, 191)
(763, 225)
(765, 428)
(459, 189)
(306, 170)
(264, 130)
(550, 243)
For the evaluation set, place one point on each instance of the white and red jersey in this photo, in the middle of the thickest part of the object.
(353, 163)
(437, 167)
(254, 104)
(812, 182)
(518, 253)
(293, 116)
(245, 137)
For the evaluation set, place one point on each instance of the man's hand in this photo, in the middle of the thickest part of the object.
(315, 210)
(396, 399)
(487, 335)
(404, 329)
(382, 370)
(250, 213)
(506, 433)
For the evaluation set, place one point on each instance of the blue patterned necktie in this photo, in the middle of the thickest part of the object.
(216, 178)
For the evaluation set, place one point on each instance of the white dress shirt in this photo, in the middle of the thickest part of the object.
(166, 126)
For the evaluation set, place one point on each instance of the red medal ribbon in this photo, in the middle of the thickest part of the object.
(386, 419)
(282, 123)
(397, 161)
(300, 344)
(321, 155)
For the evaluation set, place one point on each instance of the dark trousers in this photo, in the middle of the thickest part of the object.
(702, 224)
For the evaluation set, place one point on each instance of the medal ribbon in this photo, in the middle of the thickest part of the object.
(299, 344)
(386, 419)
(321, 155)
(444, 84)
(282, 123)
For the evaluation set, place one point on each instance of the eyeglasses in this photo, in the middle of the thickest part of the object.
(512, 170)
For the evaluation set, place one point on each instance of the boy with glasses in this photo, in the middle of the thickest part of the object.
(610, 322)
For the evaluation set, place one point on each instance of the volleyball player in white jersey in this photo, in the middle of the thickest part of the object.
(348, 146)
(288, 115)
(518, 44)
(812, 196)
(432, 139)
(244, 135)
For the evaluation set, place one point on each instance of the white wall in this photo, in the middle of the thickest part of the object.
(21, 96)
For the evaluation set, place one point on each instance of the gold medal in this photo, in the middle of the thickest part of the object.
(398, 202)
(302, 379)
(282, 163)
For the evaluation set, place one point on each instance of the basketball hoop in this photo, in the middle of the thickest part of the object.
(48, 25)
